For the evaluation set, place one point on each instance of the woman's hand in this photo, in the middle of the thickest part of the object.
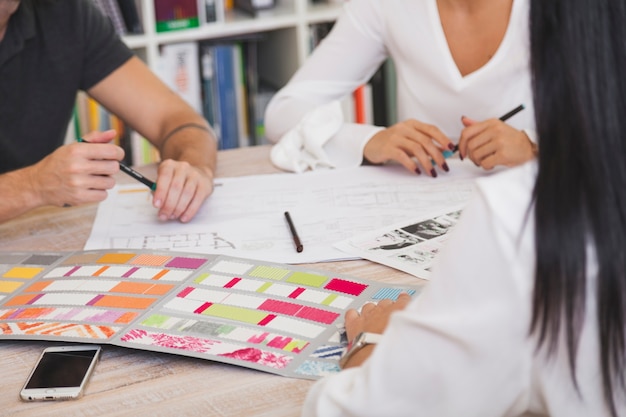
(493, 142)
(373, 318)
(411, 143)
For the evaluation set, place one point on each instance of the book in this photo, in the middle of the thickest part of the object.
(254, 6)
(209, 89)
(241, 94)
(363, 106)
(359, 97)
(211, 10)
(179, 68)
(228, 134)
(317, 32)
(260, 102)
(251, 88)
(176, 14)
(379, 86)
(111, 9)
(89, 115)
(141, 150)
(277, 318)
(130, 14)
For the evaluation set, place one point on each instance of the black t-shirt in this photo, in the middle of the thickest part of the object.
(50, 51)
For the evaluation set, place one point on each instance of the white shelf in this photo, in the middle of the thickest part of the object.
(287, 23)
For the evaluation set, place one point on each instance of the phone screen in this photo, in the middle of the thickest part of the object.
(61, 369)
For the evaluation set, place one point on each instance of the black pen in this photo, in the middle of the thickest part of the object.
(128, 170)
(503, 118)
(294, 234)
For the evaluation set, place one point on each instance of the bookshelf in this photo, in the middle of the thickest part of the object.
(281, 45)
(282, 36)
(285, 26)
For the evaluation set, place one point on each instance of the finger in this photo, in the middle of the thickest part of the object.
(78, 197)
(385, 303)
(489, 162)
(172, 198)
(165, 176)
(403, 299)
(403, 157)
(367, 307)
(103, 167)
(353, 324)
(429, 145)
(182, 188)
(481, 147)
(98, 182)
(467, 121)
(351, 315)
(184, 199)
(472, 130)
(100, 137)
(96, 151)
(434, 134)
(425, 160)
(195, 204)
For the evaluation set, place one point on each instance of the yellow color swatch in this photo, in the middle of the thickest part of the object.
(9, 286)
(24, 272)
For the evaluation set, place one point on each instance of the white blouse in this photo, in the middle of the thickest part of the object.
(430, 87)
(462, 347)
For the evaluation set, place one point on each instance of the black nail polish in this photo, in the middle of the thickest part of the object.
(433, 173)
(452, 147)
(445, 167)
(417, 171)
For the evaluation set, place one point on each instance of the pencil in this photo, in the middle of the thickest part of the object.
(503, 118)
(512, 113)
(136, 175)
(294, 234)
(128, 170)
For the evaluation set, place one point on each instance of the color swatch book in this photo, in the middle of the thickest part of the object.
(272, 317)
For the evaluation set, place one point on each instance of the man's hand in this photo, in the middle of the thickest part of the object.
(77, 173)
(181, 190)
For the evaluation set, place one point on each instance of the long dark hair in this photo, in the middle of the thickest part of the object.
(578, 59)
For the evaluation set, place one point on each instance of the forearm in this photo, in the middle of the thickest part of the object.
(19, 193)
(190, 139)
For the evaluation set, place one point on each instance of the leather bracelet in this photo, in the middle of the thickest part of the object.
(182, 127)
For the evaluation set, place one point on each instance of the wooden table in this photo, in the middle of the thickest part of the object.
(134, 383)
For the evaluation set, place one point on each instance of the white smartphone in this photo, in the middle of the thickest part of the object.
(61, 373)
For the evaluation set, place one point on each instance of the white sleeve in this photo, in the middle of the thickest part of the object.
(460, 349)
(344, 60)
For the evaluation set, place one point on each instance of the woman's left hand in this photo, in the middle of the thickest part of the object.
(373, 318)
(493, 142)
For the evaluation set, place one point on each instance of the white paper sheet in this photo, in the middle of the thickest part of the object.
(245, 215)
(410, 246)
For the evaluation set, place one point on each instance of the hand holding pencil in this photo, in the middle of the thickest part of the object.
(182, 190)
(494, 142)
(76, 174)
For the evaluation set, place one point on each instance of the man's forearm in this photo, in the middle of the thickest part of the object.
(192, 142)
(18, 194)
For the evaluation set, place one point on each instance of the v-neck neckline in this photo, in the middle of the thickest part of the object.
(441, 39)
